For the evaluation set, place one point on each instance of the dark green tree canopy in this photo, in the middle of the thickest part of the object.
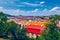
(3, 18)
(54, 18)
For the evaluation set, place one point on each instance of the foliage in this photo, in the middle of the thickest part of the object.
(3, 18)
(3, 26)
(21, 34)
(15, 32)
(39, 37)
(52, 29)
(53, 32)
(11, 29)
(54, 18)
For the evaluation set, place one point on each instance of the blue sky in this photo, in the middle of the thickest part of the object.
(30, 7)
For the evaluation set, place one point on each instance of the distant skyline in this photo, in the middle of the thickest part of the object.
(30, 7)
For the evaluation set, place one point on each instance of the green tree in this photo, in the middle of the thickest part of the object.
(15, 32)
(3, 17)
(52, 30)
(21, 34)
(54, 18)
(52, 33)
(11, 30)
(3, 26)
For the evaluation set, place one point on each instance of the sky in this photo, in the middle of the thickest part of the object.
(30, 7)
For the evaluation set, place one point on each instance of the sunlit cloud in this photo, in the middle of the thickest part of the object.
(55, 8)
(42, 2)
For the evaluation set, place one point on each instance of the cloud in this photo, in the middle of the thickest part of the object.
(30, 4)
(54, 9)
(26, 3)
(42, 2)
(35, 12)
(1, 7)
